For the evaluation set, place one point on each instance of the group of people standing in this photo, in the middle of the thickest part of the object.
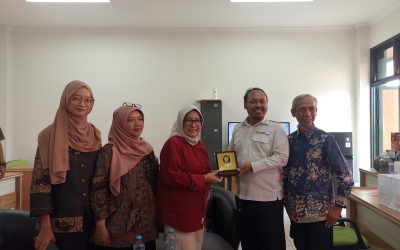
(89, 196)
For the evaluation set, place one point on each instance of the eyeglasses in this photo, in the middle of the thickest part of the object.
(129, 104)
(196, 122)
(79, 99)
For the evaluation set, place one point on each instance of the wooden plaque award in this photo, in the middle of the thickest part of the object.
(227, 163)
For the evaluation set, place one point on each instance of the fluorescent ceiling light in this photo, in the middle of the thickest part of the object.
(268, 1)
(68, 1)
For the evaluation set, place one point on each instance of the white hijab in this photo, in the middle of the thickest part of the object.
(177, 128)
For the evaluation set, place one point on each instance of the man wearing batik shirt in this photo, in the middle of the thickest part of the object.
(317, 180)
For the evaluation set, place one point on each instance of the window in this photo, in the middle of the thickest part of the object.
(385, 94)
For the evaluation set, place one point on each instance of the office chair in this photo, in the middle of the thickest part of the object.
(348, 238)
(17, 231)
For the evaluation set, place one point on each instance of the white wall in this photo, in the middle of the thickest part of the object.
(165, 70)
(361, 137)
(5, 87)
(384, 28)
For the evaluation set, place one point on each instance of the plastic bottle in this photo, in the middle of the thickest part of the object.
(139, 245)
(170, 240)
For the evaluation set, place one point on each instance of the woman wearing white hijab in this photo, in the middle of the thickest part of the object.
(185, 179)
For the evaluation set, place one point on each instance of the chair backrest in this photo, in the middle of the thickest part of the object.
(224, 215)
(348, 237)
(17, 230)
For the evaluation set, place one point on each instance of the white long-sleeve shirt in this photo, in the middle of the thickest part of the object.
(266, 147)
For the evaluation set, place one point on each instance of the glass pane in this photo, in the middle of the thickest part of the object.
(385, 63)
(388, 113)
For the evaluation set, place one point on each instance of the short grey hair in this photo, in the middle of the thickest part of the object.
(301, 97)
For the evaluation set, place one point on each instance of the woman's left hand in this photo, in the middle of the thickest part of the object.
(212, 178)
(101, 235)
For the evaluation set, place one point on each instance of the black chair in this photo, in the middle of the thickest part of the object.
(348, 238)
(221, 217)
(17, 230)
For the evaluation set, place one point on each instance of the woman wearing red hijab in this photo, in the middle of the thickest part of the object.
(124, 185)
(63, 169)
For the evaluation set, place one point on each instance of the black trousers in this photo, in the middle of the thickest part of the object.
(311, 236)
(73, 241)
(260, 225)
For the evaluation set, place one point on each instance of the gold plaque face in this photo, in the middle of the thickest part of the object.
(227, 163)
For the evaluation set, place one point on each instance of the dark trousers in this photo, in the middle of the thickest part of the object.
(311, 236)
(73, 241)
(260, 225)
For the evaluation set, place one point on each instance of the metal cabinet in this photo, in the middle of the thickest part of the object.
(211, 133)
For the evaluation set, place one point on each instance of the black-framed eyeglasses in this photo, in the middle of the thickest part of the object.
(190, 122)
(135, 105)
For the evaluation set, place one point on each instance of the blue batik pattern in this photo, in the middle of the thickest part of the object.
(316, 177)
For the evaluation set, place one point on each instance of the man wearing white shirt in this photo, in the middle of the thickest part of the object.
(262, 150)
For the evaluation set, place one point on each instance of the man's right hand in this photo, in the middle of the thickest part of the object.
(245, 169)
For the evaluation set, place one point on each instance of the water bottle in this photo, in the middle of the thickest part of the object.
(170, 240)
(139, 245)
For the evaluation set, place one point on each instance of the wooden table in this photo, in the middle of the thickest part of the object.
(10, 191)
(380, 224)
(368, 178)
(26, 184)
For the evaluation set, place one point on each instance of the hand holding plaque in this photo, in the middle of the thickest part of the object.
(227, 163)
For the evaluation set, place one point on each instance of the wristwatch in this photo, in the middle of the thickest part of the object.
(340, 205)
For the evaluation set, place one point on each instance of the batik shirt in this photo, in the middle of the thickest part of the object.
(316, 177)
(68, 202)
(133, 210)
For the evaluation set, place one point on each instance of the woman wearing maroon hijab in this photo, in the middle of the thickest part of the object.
(65, 159)
(124, 185)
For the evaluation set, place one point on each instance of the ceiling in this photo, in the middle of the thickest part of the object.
(195, 14)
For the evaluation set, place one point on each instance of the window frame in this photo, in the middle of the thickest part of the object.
(376, 123)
